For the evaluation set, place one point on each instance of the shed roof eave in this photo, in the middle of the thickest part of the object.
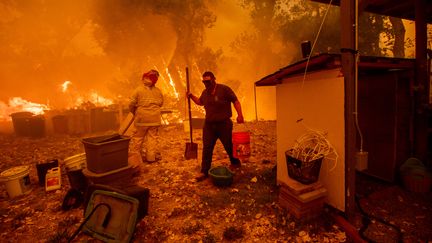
(331, 61)
(325, 60)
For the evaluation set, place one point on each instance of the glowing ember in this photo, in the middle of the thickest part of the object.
(18, 104)
(180, 73)
(65, 85)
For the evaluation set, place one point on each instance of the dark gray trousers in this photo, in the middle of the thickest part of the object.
(213, 131)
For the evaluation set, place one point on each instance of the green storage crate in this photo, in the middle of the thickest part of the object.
(120, 225)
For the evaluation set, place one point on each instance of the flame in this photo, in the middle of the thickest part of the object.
(23, 105)
(180, 73)
(171, 82)
(18, 104)
(92, 99)
(198, 70)
(99, 100)
(65, 85)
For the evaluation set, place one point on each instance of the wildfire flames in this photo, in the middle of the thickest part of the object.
(65, 85)
(18, 104)
(176, 94)
(77, 99)
(93, 98)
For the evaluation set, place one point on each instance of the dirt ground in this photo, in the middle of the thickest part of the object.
(391, 213)
(182, 210)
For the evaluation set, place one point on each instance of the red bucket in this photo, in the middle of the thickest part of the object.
(241, 145)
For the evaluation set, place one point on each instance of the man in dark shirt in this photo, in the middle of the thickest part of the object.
(217, 99)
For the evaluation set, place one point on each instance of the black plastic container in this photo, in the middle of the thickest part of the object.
(28, 125)
(42, 169)
(102, 119)
(60, 124)
(77, 180)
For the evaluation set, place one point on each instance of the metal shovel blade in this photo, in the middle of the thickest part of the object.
(191, 151)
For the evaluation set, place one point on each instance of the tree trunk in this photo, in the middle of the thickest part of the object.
(399, 35)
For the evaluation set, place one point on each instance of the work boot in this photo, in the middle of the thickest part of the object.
(235, 166)
(200, 177)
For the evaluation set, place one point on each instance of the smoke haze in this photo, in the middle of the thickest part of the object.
(104, 46)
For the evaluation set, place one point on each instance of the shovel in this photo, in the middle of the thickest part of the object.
(134, 159)
(124, 126)
(191, 148)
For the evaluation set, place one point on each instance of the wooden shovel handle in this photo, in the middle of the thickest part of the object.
(122, 130)
(189, 104)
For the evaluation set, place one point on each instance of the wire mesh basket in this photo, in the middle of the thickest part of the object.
(305, 172)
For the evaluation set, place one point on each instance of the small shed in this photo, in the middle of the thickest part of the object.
(314, 99)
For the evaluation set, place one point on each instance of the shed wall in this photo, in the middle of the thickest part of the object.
(319, 101)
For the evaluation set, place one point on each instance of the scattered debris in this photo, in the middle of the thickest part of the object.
(181, 210)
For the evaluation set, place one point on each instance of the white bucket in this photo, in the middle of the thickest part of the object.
(16, 180)
(76, 162)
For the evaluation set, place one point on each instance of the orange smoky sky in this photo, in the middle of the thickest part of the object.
(43, 49)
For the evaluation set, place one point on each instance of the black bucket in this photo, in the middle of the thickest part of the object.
(42, 169)
(77, 180)
(303, 172)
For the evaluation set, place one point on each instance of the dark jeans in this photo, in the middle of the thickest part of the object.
(213, 131)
